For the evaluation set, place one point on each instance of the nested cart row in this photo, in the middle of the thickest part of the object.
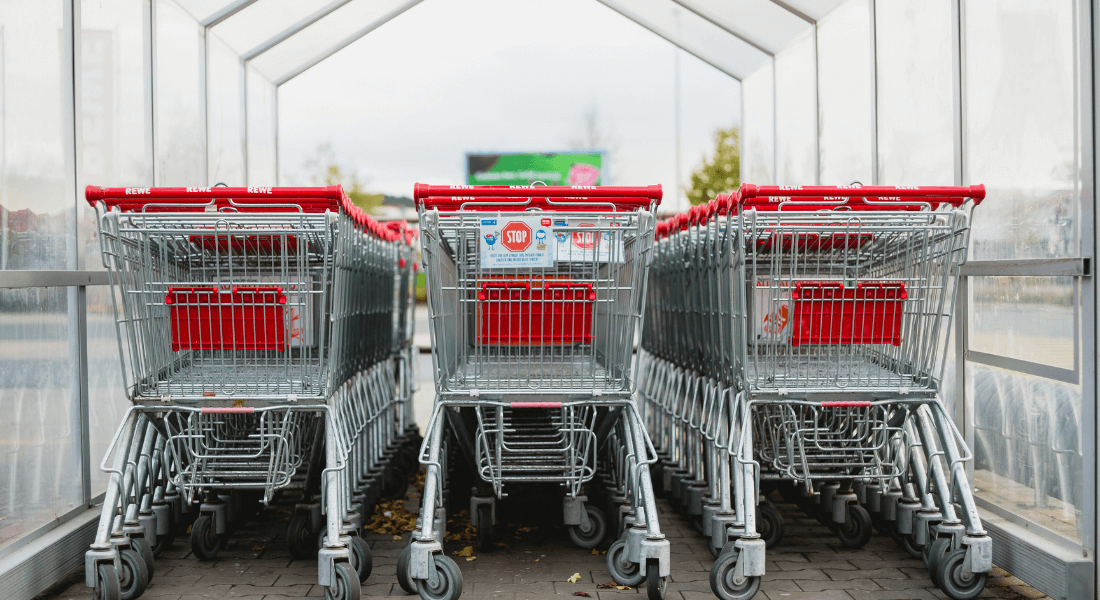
(795, 338)
(535, 294)
(265, 336)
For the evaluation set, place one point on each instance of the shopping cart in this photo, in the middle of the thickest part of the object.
(823, 372)
(257, 333)
(534, 295)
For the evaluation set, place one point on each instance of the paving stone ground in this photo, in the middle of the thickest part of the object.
(535, 560)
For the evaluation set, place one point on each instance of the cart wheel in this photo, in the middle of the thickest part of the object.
(856, 531)
(621, 569)
(145, 549)
(655, 585)
(300, 541)
(933, 557)
(724, 581)
(911, 546)
(954, 582)
(484, 527)
(597, 528)
(448, 581)
(361, 559)
(769, 524)
(205, 542)
(107, 586)
(403, 578)
(345, 585)
(164, 542)
(134, 577)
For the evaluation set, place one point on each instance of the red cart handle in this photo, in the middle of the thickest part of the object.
(447, 197)
(571, 285)
(502, 285)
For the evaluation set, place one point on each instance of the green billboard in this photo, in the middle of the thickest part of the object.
(551, 168)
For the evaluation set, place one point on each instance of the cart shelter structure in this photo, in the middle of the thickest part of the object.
(883, 92)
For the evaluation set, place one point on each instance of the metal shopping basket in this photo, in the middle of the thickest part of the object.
(257, 333)
(824, 370)
(535, 295)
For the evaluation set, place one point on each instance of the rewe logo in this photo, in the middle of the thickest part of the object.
(516, 236)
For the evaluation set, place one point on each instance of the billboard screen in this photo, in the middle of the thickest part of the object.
(551, 168)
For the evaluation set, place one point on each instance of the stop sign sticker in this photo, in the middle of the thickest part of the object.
(516, 242)
(516, 236)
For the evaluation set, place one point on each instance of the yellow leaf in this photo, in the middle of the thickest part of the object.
(622, 587)
(257, 547)
(595, 551)
(471, 558)
(467, 551)
(397, 538)
(575, 578)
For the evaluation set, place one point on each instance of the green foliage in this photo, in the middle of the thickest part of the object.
(720, 173)
(326, 170)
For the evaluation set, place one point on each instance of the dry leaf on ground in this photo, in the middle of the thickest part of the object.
(575, 578)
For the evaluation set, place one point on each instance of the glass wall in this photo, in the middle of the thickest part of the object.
(796, 112)
(225, 104)
(758, 126)
(263, 123)
(845, 100)
(1021, 55)
(179, 86)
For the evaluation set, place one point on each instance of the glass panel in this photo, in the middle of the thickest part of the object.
(36, 203)
(815, 9)
(262, 130)
(844, 94)
(180, 105)
(758, 126)
(1020, 57)
(694, 34)
(915, 130)
(265, 19)
(1029, 318)
(1027, 446)
(107, 397)
(224, 106)
(39, 467)
(796, 113)
(761, 21)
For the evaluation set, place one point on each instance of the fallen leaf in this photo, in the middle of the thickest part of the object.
(257, 547)
(467, 551)
(584, 594)
(471, 558)
(595, 551)
(612, 586)
(397, 538)
(575, 578)
(536, 560)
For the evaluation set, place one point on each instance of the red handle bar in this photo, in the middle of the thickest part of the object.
(447, 197)
(954, 195)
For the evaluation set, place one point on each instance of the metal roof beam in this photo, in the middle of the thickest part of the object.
(227, 11)
(755, 44)
(285, 34)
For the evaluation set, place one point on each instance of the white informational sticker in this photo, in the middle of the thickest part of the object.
(599, 245)
(772, 315)
(516, 242)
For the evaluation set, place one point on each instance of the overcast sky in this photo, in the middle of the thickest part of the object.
(404, 103)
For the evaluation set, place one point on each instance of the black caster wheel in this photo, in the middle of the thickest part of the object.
(856, 530)
(145, 549)
(725, 583)
(205, 542)
(403, 578)
(769, 524)
(911, 546)
(933, 556)
(345, 585)
(361, 558)
(107, 586)
(597, 529)
(655, 585)
(448, 581)
(134, 577)
(954, 581)
(164, 542)
(484, 527)
(300, 541)
(622, 570)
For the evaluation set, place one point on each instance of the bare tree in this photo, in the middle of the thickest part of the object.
(593, 135)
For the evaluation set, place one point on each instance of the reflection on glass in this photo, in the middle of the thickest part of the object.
(36, 208)
(178, 84)
(758, 126)
(39, 470)
(915, 130)
(1027, 446)
(844, 94)
(795, 113)
(1020, 127)
(1029, 318)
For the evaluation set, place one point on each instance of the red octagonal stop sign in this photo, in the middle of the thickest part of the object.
(516, 236)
